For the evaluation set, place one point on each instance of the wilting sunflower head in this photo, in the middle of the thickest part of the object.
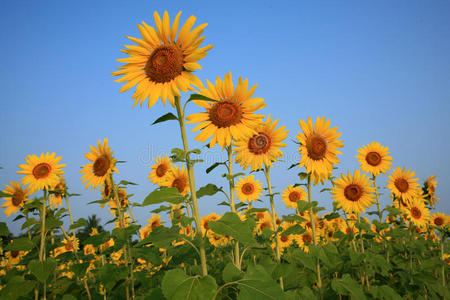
(248, 188)
(318, 148)
(41, 172)
(417, 213)
(374, 158)
(19, 195)
(353, 193)
(291, 195)
(430, 191)
(162, 62)
(161, 170)
(179, 178)
(231, 116)
(263, 147)
(403, 184)
(102, 166)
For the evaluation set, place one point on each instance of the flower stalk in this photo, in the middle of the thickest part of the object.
(233, 203)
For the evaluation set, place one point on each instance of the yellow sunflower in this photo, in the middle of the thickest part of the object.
(160, 172)
(291, 195)
(403, 184)
(374, 158)
(263, 147)
(318, 148)
(59, 191)
(353, 193)
(161, 64)
(179, 178)
(304, 240)
(155, 221)
(14, 257)
(103, 164)
(231, 117)
(248, 189)
(206, 219)
(430, 191)
(417, 212)
(439, 219)
(41, 172)
(123, 199)
(264, 222)
(217, 239)
(145, 231)
(19, 195)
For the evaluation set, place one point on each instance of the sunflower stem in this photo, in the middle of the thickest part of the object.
(70, 215)
(42, 246)
(441, 244)
(377, 197)
(232, 203)
(189, 167)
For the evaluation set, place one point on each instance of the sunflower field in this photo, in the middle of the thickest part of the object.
(399, 251)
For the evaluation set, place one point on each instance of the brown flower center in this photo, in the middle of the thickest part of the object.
(373, 158)
(265, 225)
(438, 221)
(14, 254)
(294, 196)
(317, 147)
(353, 192)
(68, 246)
(205, 225)
(247, 188)
(415, 212)
(155, 224)
(18, 198)
(284, 238)
(259, 215)
(164, 64)
(41, 170)
(161, 170)
(225, 114)
(306, 238)
(401, 184)
(259, 143)
(180, 184)
(101, 165)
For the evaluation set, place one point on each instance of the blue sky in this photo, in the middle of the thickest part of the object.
(380, 70)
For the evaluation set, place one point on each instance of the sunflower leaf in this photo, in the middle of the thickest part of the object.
(201, 98)
(20, 244)
(166, 117)
(208, 190)
(125, 182)
(213, 166)
(4, 231)
(42, 269)
(169, 194)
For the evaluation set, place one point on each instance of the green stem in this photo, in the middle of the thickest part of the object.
(313, 226)
(441, 244)
(42, 246)
(190, 170)
(377, 197)
(233, 203)
(70, 215)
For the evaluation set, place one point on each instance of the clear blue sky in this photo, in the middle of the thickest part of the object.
(380, 70)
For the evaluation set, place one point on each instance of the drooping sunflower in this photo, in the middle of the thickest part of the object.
(103, 164)
(19, 195)
(439, 219)
(161, 64)
(231, 117)
(179, 178)
(417, 212)
(374, 158)
(160, 172)
(291, 195)
(59, 191)
(353, 193)
(248, 188)
(318, 148)
(263, 147)
(430, 191)
(403, 184)
(41, 172)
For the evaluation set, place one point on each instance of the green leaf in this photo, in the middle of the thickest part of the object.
(4, 231)
(101, 201)
(68, 297)
(384, 292)
(257, 284)
(166, 117)
(231, 273)
(17, 287)
(169, 194)
(4, 195)
(161, 209)
(125, 182)
(303, 175)
(150, 254)
(302, 205)
(163, 237)
(213, 166)
(348, 286)
(331, 216)
(179, 155)
(110, 274)
(20, 244)
(80, 269)
(201, 98)
(294, 218)
(78, 223)
(124, 234)
(231, 225)
(296, 229)
(176, 285)
(52, 222)
(29, 222)
(42, 269)
(207, 190)
(98, 239)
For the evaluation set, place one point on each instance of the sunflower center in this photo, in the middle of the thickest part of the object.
(284, 238)
(14, 254)
(41, 170)
(68, 246)
(353, 192)
(401, 184)
(438, 221)
(225, 114)
(101, 165)
(155, 224)
(164, 64)
(373, 158)
(59, 188)
(306, 238)
(17, 198)
(161, 170)
(180, 184)
(259, 143)
(416, 213)
(247, 188)
(317, 147)
(294, 196)
(266, 224)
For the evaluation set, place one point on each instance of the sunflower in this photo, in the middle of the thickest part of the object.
(145, 231)
(263, 147)
(106, 189)
(68, 245)
(374, 158)
(231, 116)
(161, 64)
(205, 221)
(417, 212)
(41, 172)
(248, 189)
(353, 193)
(318, 148)
(59, 191)
(19, 195)
(14, 257)
(217, 239)
(304, 240)
(403, 185)
(155, 221)
(102, 166)
(439, 219)
(123, 199)
(291, 195)
(160, 172)
(179, 179)
(430, 191)
(264, 222)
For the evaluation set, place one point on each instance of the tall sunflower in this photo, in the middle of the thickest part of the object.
(318, 148)
(161, 64)
(417, 213)
(353, 193)
(430, 191)
(248, 188)
(374, 158)
(439, 219)
(103, 164)
(19, 195)
(291, 195)
(403, 184)
(179, 179)
(160, 172)
(231, 117)
(263, 147)
(41, 172)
